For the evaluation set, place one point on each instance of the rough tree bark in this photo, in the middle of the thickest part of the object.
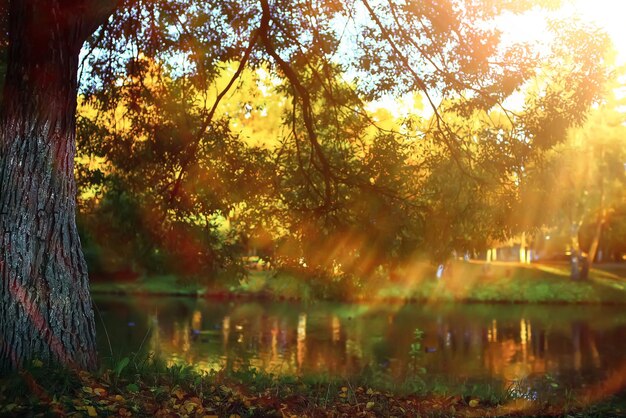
(45, 307)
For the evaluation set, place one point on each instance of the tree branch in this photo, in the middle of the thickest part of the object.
(307, 107)
(209, 117)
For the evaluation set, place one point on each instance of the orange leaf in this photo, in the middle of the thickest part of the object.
(179, 393)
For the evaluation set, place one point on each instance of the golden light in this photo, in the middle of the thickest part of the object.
(301, 340)
(607, 15)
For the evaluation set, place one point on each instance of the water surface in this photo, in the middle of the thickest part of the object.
(575, 346)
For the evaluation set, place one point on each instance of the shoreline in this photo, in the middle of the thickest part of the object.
(466, 283)
(226, 296)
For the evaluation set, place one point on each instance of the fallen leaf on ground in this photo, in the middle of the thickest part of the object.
(179, 393)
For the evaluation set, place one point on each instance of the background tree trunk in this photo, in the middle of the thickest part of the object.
(575, 257)
(45, 307)
(595, 241)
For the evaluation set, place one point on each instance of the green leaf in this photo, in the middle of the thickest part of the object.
(121, 365)
(132, 387)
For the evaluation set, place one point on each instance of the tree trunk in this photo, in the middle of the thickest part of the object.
(595, 241)
(45, 307)
(575, 257)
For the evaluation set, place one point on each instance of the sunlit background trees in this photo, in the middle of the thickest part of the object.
(372, 140)
(432, 141)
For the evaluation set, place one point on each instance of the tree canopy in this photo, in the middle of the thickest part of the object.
(172, 89)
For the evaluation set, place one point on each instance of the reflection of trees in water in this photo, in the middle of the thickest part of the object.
(512, 350)
(294, 340)
(584, 341)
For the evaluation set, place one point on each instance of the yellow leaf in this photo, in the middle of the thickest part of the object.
(119, 398)
(37, 363)
(99, 391)
(344, 389)
(87, 389)
(179, 394)
(91, 411)
(474, 403)
(370, 405)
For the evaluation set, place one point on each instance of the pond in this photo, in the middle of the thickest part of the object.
(568, 346)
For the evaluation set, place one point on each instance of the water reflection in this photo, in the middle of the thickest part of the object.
(510, 343)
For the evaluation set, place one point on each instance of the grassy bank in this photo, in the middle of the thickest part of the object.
(462, 282)
(145, 389)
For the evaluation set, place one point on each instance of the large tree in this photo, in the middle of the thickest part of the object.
(446, 50)
(45, 311)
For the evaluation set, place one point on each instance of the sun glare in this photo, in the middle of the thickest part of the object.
(607, 15)
(532, 26)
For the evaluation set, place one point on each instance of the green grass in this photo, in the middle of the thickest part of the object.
(157, 285)
(257, 284)
(281, 285)
(465, 282)
(511, 283)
